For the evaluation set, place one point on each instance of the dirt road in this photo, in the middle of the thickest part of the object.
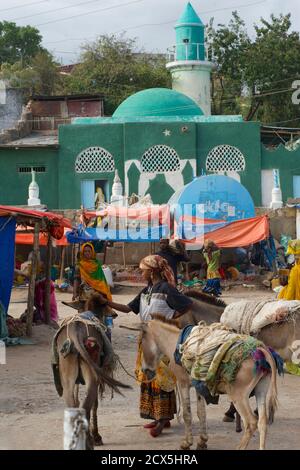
(31, 412)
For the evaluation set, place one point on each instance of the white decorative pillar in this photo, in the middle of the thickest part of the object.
(276, 202)
(33, 192)
(117, 197)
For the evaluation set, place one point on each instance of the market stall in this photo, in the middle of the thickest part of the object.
(52, 227)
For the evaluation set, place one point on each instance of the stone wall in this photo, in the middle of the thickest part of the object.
(11, 103)
(132, 253)
(15, 119)
(282, 221)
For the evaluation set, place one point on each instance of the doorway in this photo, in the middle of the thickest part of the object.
(94, 192)
(296, 186)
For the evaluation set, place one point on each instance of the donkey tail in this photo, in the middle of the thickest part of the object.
(271, 401)
(97, 372)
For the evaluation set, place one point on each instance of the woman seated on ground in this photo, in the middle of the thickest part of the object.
(157, 399)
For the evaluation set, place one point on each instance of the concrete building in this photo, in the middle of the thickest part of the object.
(157, 139)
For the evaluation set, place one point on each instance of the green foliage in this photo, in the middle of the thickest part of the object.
(113, 67)
(253, 77)
(18, 43)
(227, 47)
(40, 76)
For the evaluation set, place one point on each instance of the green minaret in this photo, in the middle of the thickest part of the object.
(188, 66)
(189, 36)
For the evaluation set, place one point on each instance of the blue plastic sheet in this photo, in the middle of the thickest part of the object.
(148, 234)
(7, 255)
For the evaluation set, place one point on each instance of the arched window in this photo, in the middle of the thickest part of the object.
(225, 158)
(160, 159)
(94, 160)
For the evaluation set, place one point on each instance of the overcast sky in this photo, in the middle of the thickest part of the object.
(65, 24)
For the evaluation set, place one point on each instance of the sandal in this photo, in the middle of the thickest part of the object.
(150, 425)
(157, 430)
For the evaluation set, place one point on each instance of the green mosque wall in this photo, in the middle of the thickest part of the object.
(73, 140)
(60, 185)
(14, 184)
(139, 137)
(288, 163)
(245, 137)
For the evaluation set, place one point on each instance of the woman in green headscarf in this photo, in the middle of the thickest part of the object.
(89, 275)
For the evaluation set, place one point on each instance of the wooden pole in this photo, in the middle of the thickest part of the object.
(104, 252)
(31, 289)
(48, 281)
(62, 263)
(124, 255)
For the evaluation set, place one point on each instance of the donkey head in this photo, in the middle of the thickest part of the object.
(98, 304)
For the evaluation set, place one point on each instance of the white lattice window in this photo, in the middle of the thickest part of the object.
(94, 160)
(160, 159)
(225, 158)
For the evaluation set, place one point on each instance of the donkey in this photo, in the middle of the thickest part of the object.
(81, 365)
(159, 337)
(278, 336)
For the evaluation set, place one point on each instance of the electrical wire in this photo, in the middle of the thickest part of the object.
(90, 12)
(54, 10)
(24, 5)
(166, 22)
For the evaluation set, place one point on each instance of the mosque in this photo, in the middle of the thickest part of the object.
(158, 140)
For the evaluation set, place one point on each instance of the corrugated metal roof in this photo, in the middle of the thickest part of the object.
(34, 140)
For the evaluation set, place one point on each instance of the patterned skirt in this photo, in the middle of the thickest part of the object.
(155, 403)
(158, 399)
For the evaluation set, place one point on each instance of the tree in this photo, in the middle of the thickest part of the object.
(227, 48)
(271, 67)
(254, 77)
(18, 43)
(40, 76)
(114, 67)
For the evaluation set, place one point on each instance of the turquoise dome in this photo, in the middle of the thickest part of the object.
(157, 102)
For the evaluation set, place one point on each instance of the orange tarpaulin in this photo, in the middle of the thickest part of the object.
(239, 233)
(27, 238)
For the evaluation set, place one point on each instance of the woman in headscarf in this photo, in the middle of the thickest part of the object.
(291, 291)
(157, 400)
(212, 255)
(89, 276)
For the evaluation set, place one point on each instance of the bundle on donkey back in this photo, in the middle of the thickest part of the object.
(244, 364)
(275, 323)
(82, 354)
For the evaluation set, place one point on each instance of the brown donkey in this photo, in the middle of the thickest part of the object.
(86, 346)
